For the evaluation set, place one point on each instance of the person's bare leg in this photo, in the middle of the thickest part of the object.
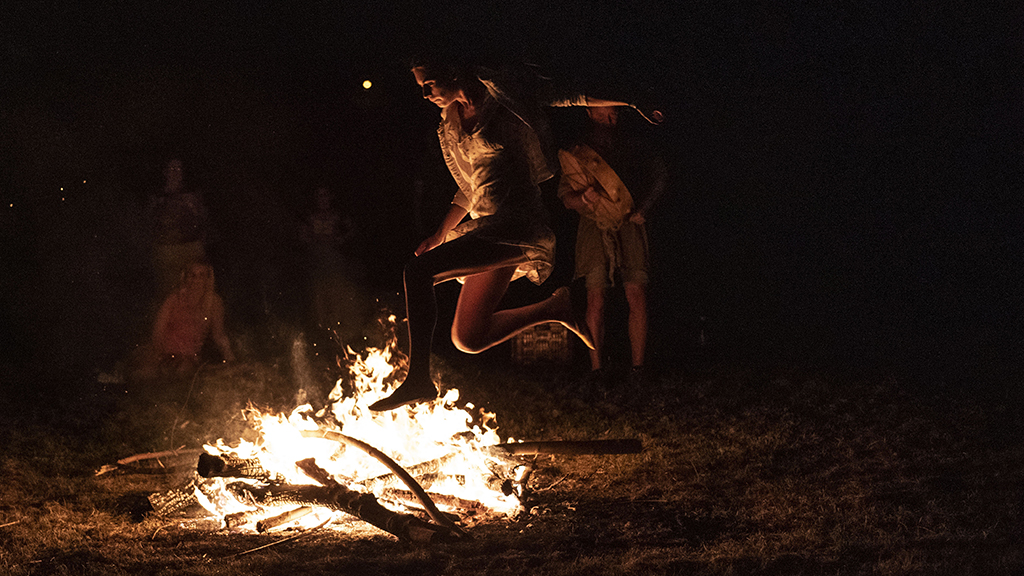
(421, 318)
(595, 321)
(475, 327)
(479, 325)
(636, 298)
(463, 257)
(474, 334)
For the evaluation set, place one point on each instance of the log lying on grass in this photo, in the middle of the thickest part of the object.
(569, 447)
(164, 462)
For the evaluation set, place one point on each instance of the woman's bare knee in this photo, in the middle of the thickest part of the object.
(469, 341)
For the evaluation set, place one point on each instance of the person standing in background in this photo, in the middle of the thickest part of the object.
(612, 180)
(180, 223)
(337, 277)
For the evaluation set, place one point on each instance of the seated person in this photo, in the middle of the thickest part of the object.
(188, 316)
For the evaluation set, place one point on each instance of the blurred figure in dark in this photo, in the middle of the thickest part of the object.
(180, 224)
(612, 179)
(336, 273)
(191, 315)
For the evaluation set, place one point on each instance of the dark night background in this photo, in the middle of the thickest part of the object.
(845, 176)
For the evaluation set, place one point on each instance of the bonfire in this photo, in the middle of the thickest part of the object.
(422, 473)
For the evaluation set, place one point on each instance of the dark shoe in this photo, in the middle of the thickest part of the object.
(641, 394)
(587, 391)
(636, 377)
(594, 383)
(403, 396)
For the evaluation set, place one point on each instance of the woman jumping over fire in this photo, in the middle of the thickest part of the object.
(495, 144)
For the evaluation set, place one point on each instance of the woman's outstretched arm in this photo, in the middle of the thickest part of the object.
(455, 215)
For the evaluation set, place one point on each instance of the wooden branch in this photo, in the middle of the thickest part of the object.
(363, 506)
(408, 496)
(418, 471)
(157, 456)
(383, 458)
(152, 462)
(569, 447)
(281, 519)
(239, 519)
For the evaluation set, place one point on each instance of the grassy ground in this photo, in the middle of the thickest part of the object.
(743, 472)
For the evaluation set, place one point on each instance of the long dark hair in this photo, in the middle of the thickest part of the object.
(455, 57)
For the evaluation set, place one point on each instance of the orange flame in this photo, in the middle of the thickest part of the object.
(427, 432)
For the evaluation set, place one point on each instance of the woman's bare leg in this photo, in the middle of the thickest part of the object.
(462, 257)
(473, 332)
(478, 325)
(636, 297)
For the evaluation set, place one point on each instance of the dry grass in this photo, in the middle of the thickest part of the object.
(742, 473)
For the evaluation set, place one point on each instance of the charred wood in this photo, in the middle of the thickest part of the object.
(176, 499)
(363, 506)
(226, 466)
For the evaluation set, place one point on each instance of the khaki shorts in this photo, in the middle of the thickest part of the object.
(594, 254)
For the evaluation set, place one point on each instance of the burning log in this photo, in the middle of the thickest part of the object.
(225, 466)
(428, 469)
(363, 506)
(419, 531)
(239, 519)
(383, 458)
(187, 498)
(175, 499)
(407, 497)
(288, 517)
(431, 471)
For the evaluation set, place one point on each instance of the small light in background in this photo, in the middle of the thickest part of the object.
(367, 84)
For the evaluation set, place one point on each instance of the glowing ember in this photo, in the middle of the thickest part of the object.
(440, 436)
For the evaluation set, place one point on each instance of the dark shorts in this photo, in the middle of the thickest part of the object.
(594, 254)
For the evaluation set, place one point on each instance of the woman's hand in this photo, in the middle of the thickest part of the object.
(581, 201)
(430, 243)
(455, 215)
